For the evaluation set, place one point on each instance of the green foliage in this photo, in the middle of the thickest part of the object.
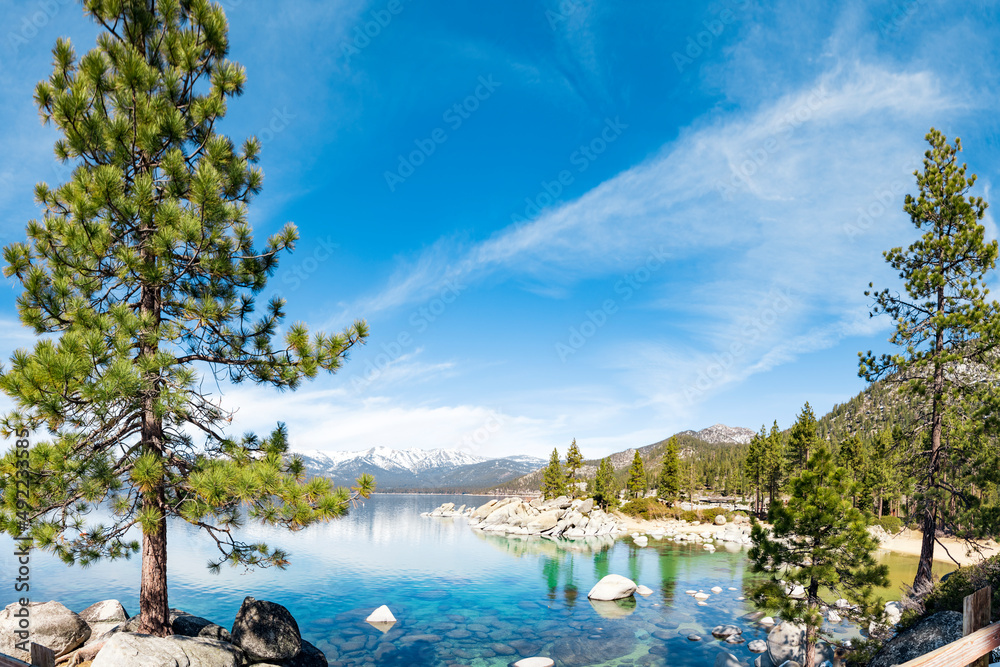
(802, 439)
(605, 488)
(646, 508)
(668, 484)
(689, 515)
(141, 277)
(636, 484)
(574, 459)
(946, 330)
(554, 478)
(820, 541)
(948, 594)
(891, 524)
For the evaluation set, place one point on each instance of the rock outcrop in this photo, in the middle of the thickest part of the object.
(52, 625)
(929, 634)
(559, 517)
(266, 631)
(126, 649)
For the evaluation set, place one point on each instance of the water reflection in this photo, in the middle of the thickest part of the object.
(460, 595)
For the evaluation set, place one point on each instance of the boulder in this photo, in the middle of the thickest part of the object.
(266, 631)
(536, 661)
(309, 656)
(52, 625)
(833, 616)
(643, 590)
(929, 634)
(103, 617)
(727, 659)
(724, 631)
(586, 506)
(716, 589)
(893, 612)
(126, 649)
(640, 541)
(797, 592)
(720, 520)
(381, 615)
(544, 521)
(757, 646)
(188, 625)
(787, 642)
(612, 587)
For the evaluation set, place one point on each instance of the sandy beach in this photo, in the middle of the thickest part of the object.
(907, 542)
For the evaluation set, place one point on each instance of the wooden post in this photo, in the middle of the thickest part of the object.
(976, 615)
(42, 656)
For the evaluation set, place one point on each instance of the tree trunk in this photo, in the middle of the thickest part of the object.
(922, 583)
(810, 646)
(154, 611)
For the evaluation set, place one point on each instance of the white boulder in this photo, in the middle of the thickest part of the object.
(612, 587)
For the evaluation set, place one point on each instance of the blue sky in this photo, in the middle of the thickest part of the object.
(592, 219)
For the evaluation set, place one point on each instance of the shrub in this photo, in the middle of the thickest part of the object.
(949, 593)
(690, 515)
(646, 508)
(891, 524)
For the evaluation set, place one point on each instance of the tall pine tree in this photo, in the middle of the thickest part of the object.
(605, 491)
(819, 541)
(944, 325)
(141, 278)
(668, 485)
(636, 483)
(574, 460)
(553, 478)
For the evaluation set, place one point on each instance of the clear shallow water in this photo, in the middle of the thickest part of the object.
(460, 596)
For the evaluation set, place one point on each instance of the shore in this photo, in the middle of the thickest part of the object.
(907, 542)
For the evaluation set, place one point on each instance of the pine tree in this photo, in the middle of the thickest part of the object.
(944, 326)
(553, 478)
(801, 439)
(636, 484)
(756, 469)
(605, 491)
(574, 460)
(819, 541)
(141, 276)
(774, 462)
(668, 485)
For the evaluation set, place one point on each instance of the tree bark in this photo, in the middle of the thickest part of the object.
(154, 611)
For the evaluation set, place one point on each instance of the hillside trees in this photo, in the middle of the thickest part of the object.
(820, 541)
(140, 279)
(756, 471)
(802, 438)
(944, 326)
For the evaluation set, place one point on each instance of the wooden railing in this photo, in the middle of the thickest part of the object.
(41, 656)
(974, 648)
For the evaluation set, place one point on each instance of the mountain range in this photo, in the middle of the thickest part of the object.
(457, 470)
(418, 469)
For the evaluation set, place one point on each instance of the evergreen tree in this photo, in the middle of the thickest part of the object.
(756, 469)
(553, 478)
(774, 462)
(668, 485)
(944, 326)
(636, 484)
(605, 490)
(819, 541)
(574, 460)
(801, 439)
(141, 276)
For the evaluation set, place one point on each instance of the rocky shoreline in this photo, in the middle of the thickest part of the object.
(264, 634)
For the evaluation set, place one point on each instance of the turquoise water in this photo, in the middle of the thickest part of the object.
(461, 597)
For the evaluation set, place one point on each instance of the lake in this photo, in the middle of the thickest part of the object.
(460, 596)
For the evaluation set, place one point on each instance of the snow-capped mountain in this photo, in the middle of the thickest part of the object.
(722, 433)
(400, 469)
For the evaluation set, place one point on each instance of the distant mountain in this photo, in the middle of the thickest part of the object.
(709, 441)
(418, 469)
(720, 433)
